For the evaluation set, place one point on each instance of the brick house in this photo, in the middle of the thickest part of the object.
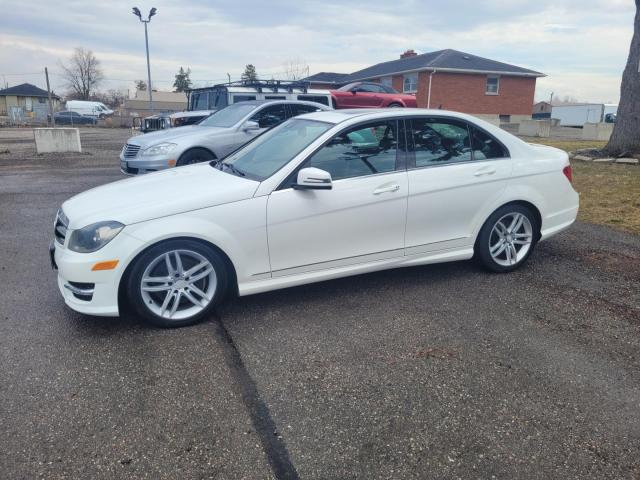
(452, 80)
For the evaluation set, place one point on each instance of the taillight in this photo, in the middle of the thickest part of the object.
(568, 173)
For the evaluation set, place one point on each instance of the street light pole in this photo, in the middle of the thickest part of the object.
(137, 13)
(146, 42)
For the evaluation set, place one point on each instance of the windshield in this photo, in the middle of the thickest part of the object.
(228, 116)
(348, 87)
(273, 150)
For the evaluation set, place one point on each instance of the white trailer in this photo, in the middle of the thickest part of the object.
(577, 114)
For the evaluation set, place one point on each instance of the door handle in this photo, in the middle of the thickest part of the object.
(390, 188)
(485, 171)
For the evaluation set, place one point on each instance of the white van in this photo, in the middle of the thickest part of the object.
(90, 109)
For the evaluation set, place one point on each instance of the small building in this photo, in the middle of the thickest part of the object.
(27, 97)
(167, 102)
(453, 80)
(541, 110)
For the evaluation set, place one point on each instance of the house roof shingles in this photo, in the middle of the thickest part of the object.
(450, 60)
(26, 90)
(326, 77)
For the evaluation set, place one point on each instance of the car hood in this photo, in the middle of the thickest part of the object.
(172, 134)
(156, 195)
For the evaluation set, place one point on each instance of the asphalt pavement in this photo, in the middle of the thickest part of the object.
(441, 371)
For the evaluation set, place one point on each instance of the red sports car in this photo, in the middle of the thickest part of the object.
(370, 95)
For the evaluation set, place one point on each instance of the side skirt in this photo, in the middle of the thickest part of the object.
(259, 286)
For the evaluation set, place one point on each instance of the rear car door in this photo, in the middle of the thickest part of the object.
(456, 172)
(361, 219)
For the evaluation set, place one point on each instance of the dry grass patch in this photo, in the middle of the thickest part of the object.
(609, 193)
(566, 144)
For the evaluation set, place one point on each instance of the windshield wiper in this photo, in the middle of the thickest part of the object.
(233, 169)
(220, 165)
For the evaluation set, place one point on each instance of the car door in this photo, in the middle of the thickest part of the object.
(365, 96)
(361, 219)
(456, 172)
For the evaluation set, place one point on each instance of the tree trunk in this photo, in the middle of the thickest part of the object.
(625, 139)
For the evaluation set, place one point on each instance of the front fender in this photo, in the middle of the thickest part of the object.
(242, 237)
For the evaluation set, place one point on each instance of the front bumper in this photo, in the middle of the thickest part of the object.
(142, 165)
(93, 292)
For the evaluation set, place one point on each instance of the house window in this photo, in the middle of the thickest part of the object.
(410, 83)
(493, 85)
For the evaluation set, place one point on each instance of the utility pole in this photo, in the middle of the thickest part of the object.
(152, 12)
(53, 120)
(229, 78)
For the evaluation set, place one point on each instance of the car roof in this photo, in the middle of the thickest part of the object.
(282, 100)
(339, 116)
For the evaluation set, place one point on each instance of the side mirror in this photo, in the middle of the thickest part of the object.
(355, 90)
(313, 179)
(250, 125)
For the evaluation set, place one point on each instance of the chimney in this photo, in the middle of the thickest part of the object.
(408, 53)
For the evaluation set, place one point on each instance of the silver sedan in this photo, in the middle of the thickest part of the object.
(212, 138)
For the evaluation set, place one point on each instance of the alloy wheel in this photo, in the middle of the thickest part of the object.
(178, 284)
(510, 239)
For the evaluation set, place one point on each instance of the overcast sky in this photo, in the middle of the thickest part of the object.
(582, 45)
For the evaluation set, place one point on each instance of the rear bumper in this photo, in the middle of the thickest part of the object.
(558, 221)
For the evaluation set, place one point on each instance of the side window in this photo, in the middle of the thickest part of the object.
(437, 141)
(367, 87)
(270, 116)
(297, 109)
(484, 146)
(359, 151)
(323, 99)
(243, 98)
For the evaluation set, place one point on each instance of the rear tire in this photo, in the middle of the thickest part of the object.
(177, 283)
(507, 238)
(195, 155)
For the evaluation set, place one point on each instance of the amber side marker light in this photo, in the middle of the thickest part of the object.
(109, 265)
(171, 163)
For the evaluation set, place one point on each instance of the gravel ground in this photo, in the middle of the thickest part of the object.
(429, 372)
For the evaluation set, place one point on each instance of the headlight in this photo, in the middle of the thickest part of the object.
(160, 149)
(94, 237)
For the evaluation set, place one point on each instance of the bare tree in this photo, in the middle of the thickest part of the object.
(112, 98)
(83, 73)
(141, 85)
(625, 138)
(296, 69)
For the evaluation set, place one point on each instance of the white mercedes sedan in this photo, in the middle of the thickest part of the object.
(323, 195)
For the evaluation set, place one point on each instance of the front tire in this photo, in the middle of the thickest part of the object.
(395, 105)
(507, 238)
(177, 283)
(195, 155)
